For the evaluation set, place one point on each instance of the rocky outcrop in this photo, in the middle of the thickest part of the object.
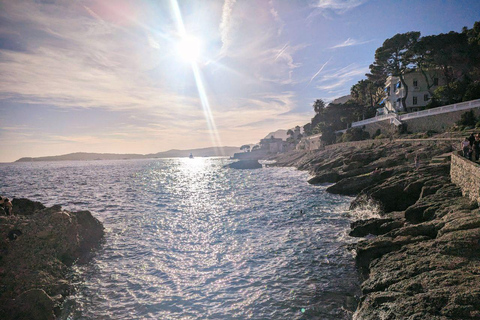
(34, 264)
(421, 258)
(245, 164)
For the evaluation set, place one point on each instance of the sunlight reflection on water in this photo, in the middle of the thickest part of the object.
(190, 239)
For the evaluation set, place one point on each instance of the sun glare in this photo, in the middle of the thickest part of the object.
(189, 48)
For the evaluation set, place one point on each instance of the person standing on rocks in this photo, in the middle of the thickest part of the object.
(476, 147)
(466, 147)
(2, 210)
(7, 205)
(471, 139)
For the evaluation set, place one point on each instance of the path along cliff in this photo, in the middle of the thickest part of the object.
(419, 258)
(37, 247)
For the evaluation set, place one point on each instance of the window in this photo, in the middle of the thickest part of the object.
(415, 83)
(415, 100)
(435, 81)
(425, 97)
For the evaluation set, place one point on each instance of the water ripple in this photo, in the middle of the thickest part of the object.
(190, 239)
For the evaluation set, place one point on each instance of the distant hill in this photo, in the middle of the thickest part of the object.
(84, 156)
(203, 152)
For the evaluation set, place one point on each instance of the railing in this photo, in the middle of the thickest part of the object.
(394, 118)
(373, 120)
(395, 122)
(430, 112)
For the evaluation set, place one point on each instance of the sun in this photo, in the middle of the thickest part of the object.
(189, 48)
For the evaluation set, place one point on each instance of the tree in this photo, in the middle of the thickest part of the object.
(448, 54)
(368, 95)
(245, 148)
(307, 129)
(395, 57)
(318, 106)
(290, 132)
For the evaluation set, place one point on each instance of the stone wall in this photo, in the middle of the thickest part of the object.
(311, 143)
(466, 174)
(385, 127)
(438, 122)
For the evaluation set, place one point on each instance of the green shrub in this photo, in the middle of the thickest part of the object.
(467, 119)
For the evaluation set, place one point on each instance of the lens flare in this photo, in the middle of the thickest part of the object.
(192, 49)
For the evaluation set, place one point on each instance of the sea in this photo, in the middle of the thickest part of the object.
(193, 239)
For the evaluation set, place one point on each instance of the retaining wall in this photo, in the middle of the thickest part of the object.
(466, 174)
(438, 122)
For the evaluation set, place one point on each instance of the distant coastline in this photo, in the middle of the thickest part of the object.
(174, 153)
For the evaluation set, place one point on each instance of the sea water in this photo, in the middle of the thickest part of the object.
(191, 239)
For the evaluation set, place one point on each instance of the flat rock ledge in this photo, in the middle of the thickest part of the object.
(421, 258)
(38, 245)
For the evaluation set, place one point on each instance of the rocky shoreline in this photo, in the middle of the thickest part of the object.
(420, 257)
(38, 245)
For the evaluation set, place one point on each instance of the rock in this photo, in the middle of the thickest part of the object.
(33, 304)
(353, 185)
(423, 261)
(14, 234)
(23, 206)
(362, 228)
(245, 164)
(47, 243)
(323, 178)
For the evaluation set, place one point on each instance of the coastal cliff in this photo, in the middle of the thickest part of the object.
(37, 247)
(420, 256)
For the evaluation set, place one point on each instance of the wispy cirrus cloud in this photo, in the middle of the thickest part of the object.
(338, 6)
(333, 80)
(226, 25)
(349, 43)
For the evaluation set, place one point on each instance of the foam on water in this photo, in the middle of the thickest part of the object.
(189, 239)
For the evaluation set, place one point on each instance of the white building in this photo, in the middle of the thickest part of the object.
(418, 94)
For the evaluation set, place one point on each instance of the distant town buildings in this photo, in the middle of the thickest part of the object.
(419, 91)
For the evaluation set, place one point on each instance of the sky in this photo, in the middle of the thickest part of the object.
(144, 76)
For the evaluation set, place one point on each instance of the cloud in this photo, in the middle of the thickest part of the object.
(76, 60)
(276, 17)
(338, 6)
(226, 25)
(339, 81)
(318, 72)
(350, 42)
